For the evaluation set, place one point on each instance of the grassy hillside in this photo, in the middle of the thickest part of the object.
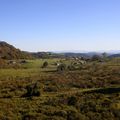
(8, 51)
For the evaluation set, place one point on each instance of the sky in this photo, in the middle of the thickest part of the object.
(60, 25)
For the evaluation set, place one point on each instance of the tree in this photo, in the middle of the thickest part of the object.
(104, 56)
(61, 68)
(96, 58)
(45, 64)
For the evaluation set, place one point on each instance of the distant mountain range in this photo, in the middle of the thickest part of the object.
(8, 51)
(83, 51)
(114, 55)
(90, 54)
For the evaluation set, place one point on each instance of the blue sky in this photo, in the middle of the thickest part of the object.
(58, 25)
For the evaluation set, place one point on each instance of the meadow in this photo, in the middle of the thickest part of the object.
(85, 92)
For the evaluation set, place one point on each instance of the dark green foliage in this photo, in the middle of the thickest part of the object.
(61, 67)
(72, 100)
(50, 89)
(33, 90)
(45, 64)
(96, 58)
(106, 90)
(71, 67)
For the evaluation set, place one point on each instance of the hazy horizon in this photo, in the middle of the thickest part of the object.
(71, 51)
(65, 25)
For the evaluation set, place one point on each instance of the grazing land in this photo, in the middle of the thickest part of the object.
(40, 90)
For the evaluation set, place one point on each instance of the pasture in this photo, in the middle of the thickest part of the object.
(88, 91)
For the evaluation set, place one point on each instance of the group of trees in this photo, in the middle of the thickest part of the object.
(61, 67)
(99, 57)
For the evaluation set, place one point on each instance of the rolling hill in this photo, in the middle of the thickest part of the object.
(8, 51)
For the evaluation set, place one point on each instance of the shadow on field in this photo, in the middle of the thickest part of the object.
(49, 71)
(105, 90)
